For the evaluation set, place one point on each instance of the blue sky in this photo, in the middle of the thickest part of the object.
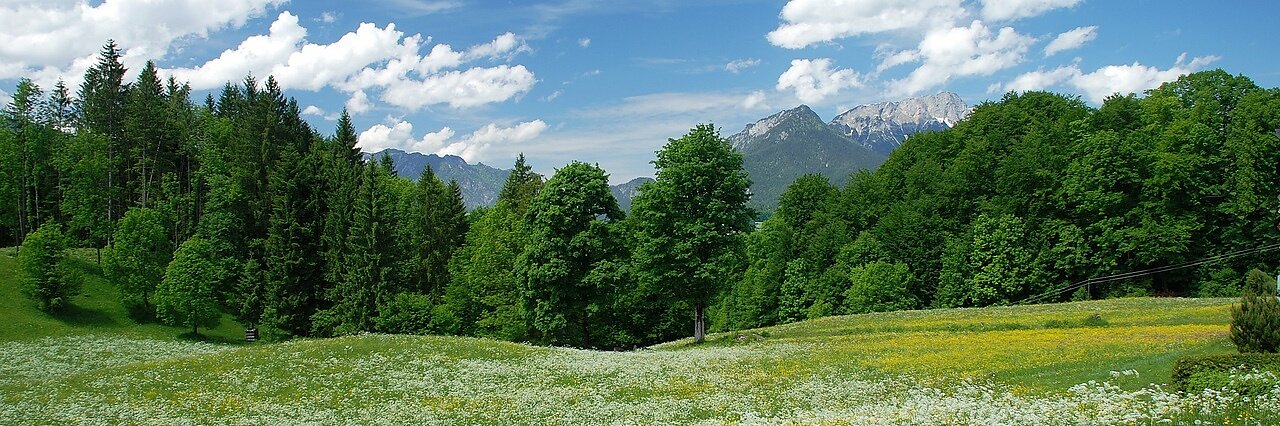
(608, 82)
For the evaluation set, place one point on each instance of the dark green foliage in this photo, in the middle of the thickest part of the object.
(138, 255)
(1255, 322)
(46, 280)
(1195, 373)
(368, 279)
(570, 236)
(292, 251)
(691, 224)
(186, 296)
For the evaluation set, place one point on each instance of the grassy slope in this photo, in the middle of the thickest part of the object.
(930, 366)
(97, 310)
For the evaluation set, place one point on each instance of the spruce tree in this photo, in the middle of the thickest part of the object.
(45, 278)
(292, 255)
(1255, 322)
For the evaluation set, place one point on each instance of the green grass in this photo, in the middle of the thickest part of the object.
(96, 311)
(1100, 362)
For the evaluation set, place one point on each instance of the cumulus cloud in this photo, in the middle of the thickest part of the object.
(399, 134)
(813, 80)
(372, 61)
(1108, 80)
(48, 40)
(947, 53)
(807, 22)
(736, 66)
(461, 89)
(1005, 10)
(358, 103)
(1071, 40)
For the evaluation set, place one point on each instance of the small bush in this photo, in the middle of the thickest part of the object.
(45, 276)
(1255, 322)
(1196, 373)
(406, 314)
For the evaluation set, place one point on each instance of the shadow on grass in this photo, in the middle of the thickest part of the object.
(80, 316)
(221, 340)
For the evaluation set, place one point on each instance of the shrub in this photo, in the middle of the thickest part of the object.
(1195, 373)
(46, 279)
(1255, 322)
(408, 313)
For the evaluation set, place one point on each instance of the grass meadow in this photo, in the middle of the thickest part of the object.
(1100, 362)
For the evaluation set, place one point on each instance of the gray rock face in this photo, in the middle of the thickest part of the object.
(884, 126)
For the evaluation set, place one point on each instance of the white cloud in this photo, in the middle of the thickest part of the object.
(5, 98)
(369, 61)
(399, 135)
(898, 58)
(461, 89)
(358, 103)
(257, 54)
(736, 66)
(1097, 85)
(1003, 10)
(425, 7)
(328, 17)
(1134, 78)
(807, 22)
(313, 111)
(553, 96)
(584, 42)
(961, 52)
(814, 80)
(1038, 80)
(503, 47)
(754, 100)
(1071, 40)
(48, 40)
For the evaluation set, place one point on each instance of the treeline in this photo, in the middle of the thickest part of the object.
(237, 205)
(1027, 199)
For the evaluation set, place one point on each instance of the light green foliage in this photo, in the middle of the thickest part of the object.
(138, 255)
(691, 222)
(84, 165)
(1255, 322)
(569, 235)
(755, 300)
(879, 287)
(45, 277)
(990, 265)
(406, 313)
(186, 296)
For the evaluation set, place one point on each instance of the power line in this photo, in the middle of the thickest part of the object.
(1152, 271)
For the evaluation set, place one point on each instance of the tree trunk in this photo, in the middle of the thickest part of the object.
(699, 324)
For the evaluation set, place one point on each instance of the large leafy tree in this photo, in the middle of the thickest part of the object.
(569, 236)
(138, 255)
(45, 278)
(691, 222)
(186, 297)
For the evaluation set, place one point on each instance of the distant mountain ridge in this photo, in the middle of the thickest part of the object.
(480, 183)
(784, 146)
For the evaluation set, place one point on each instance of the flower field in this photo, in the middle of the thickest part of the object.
(1049, 364)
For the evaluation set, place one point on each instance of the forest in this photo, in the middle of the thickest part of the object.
(237, 205)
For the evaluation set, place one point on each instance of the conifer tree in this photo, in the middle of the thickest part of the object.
(45, 278)
(1255, 322)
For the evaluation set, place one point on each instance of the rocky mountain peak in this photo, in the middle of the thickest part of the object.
(885, 125)
(798, 116)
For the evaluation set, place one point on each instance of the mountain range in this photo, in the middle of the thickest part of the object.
(776, 149)
(782, 147)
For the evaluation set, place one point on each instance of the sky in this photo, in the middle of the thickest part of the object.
(609, 82)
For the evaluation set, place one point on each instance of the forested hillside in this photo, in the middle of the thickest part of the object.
(1032, 196)
(236, 204)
